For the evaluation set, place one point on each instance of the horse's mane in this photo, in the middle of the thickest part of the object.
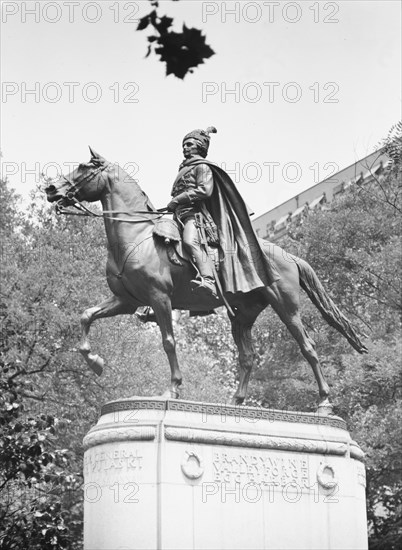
(147, 204)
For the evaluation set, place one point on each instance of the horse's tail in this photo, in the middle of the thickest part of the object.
(334, 317)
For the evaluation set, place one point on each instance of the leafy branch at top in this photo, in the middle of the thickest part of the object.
(181, 51)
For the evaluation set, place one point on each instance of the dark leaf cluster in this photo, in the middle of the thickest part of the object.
(180, 51)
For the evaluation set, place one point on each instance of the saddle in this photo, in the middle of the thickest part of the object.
(167, 231)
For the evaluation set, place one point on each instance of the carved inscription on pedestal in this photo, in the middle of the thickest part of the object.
(263, 471)
(127, 459)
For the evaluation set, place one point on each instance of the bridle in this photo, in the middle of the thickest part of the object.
(74, 189)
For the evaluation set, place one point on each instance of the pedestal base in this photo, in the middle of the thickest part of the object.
(186, 475)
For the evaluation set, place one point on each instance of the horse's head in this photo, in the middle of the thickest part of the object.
(85, 183)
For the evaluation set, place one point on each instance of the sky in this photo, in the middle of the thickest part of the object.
(295, 90)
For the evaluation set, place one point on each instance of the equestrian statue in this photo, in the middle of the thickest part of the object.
(207, 256)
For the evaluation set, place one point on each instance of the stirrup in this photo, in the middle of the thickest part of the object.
(205, 287)
(147, 316)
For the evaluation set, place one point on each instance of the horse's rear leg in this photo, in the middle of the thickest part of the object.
(307, 347)
(241, 331)
(110, 307)
(163, 311)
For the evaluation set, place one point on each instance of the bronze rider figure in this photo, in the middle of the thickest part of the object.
(206, 202)
(194, 184)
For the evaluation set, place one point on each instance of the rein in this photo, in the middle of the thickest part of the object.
(84, 211)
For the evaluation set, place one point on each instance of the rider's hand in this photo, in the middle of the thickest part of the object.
(172, 206)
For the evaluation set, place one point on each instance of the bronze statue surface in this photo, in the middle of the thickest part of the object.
(140, 272)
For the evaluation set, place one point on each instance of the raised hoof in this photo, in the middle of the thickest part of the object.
(95, 363)
(325, 408)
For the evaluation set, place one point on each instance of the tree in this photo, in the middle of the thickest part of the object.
(34, 482)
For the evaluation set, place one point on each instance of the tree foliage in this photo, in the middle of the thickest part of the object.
(180, 51)
(38, 480)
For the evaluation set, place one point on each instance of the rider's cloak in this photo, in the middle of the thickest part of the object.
(243, 264)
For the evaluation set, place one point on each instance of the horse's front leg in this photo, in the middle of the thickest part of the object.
(110, 307)
(163, 310)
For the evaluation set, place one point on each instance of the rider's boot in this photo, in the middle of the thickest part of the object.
(204, 284)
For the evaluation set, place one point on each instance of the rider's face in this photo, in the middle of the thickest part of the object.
(190, 148)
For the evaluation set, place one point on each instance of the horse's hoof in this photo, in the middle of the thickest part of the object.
(147, 316)
(325, 407)
(236, 401)
(174, 394)
(170, 394)
(95, 363)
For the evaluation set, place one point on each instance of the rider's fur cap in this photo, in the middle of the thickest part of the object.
(202, 137)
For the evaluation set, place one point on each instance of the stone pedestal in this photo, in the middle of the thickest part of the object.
(184, 475)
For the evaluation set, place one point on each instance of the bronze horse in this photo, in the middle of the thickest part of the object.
(140, 273)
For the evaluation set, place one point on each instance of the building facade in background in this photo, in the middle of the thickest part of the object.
(273, 224)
